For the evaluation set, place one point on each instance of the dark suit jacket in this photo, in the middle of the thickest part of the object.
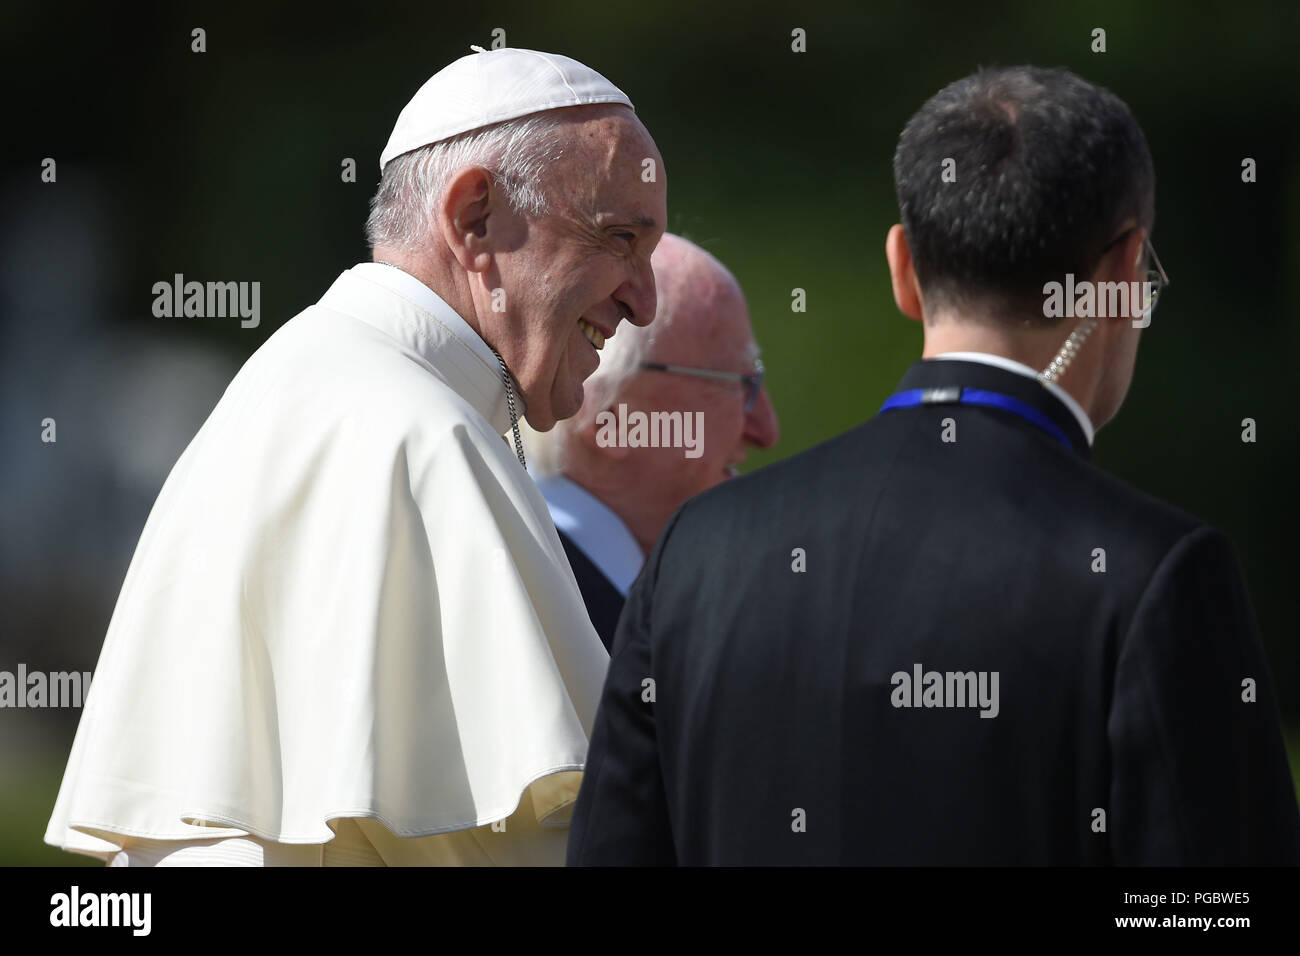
(775, 734)
(604, 601)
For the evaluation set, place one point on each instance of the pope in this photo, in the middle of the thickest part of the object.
(349, 633)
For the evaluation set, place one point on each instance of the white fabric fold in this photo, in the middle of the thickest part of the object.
(348, 601)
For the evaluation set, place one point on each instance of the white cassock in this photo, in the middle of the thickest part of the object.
(348, 613)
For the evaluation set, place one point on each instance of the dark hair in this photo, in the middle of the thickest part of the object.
(1048, 166)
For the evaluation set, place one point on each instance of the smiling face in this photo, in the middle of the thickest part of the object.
(570, 277)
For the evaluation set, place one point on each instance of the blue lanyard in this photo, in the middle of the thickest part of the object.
(977, 396)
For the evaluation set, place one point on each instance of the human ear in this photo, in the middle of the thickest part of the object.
(1123, 262)
(902, 275)
(463, 217)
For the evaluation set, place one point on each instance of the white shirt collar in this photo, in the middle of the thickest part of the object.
(416, 292)
(1001, 361)
(601, 534)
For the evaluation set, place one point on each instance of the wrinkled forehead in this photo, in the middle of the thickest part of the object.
(613, 168)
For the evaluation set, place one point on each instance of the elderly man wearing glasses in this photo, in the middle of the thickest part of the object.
(698, 357)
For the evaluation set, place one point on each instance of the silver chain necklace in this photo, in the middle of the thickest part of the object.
(506, 380)
(510, 404)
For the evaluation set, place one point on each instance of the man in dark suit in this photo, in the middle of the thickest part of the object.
(945, 637)
(696, 361)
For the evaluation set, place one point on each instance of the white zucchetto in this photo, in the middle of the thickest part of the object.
(493, 86)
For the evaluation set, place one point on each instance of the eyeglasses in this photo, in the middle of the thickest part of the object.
(1157, 278)
(753, 381)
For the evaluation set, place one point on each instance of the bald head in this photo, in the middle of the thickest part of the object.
(702, 322)
(692, 281)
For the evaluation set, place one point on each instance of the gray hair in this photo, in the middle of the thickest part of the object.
(516, 152)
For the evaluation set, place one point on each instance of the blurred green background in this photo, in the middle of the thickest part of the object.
(226, 165)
